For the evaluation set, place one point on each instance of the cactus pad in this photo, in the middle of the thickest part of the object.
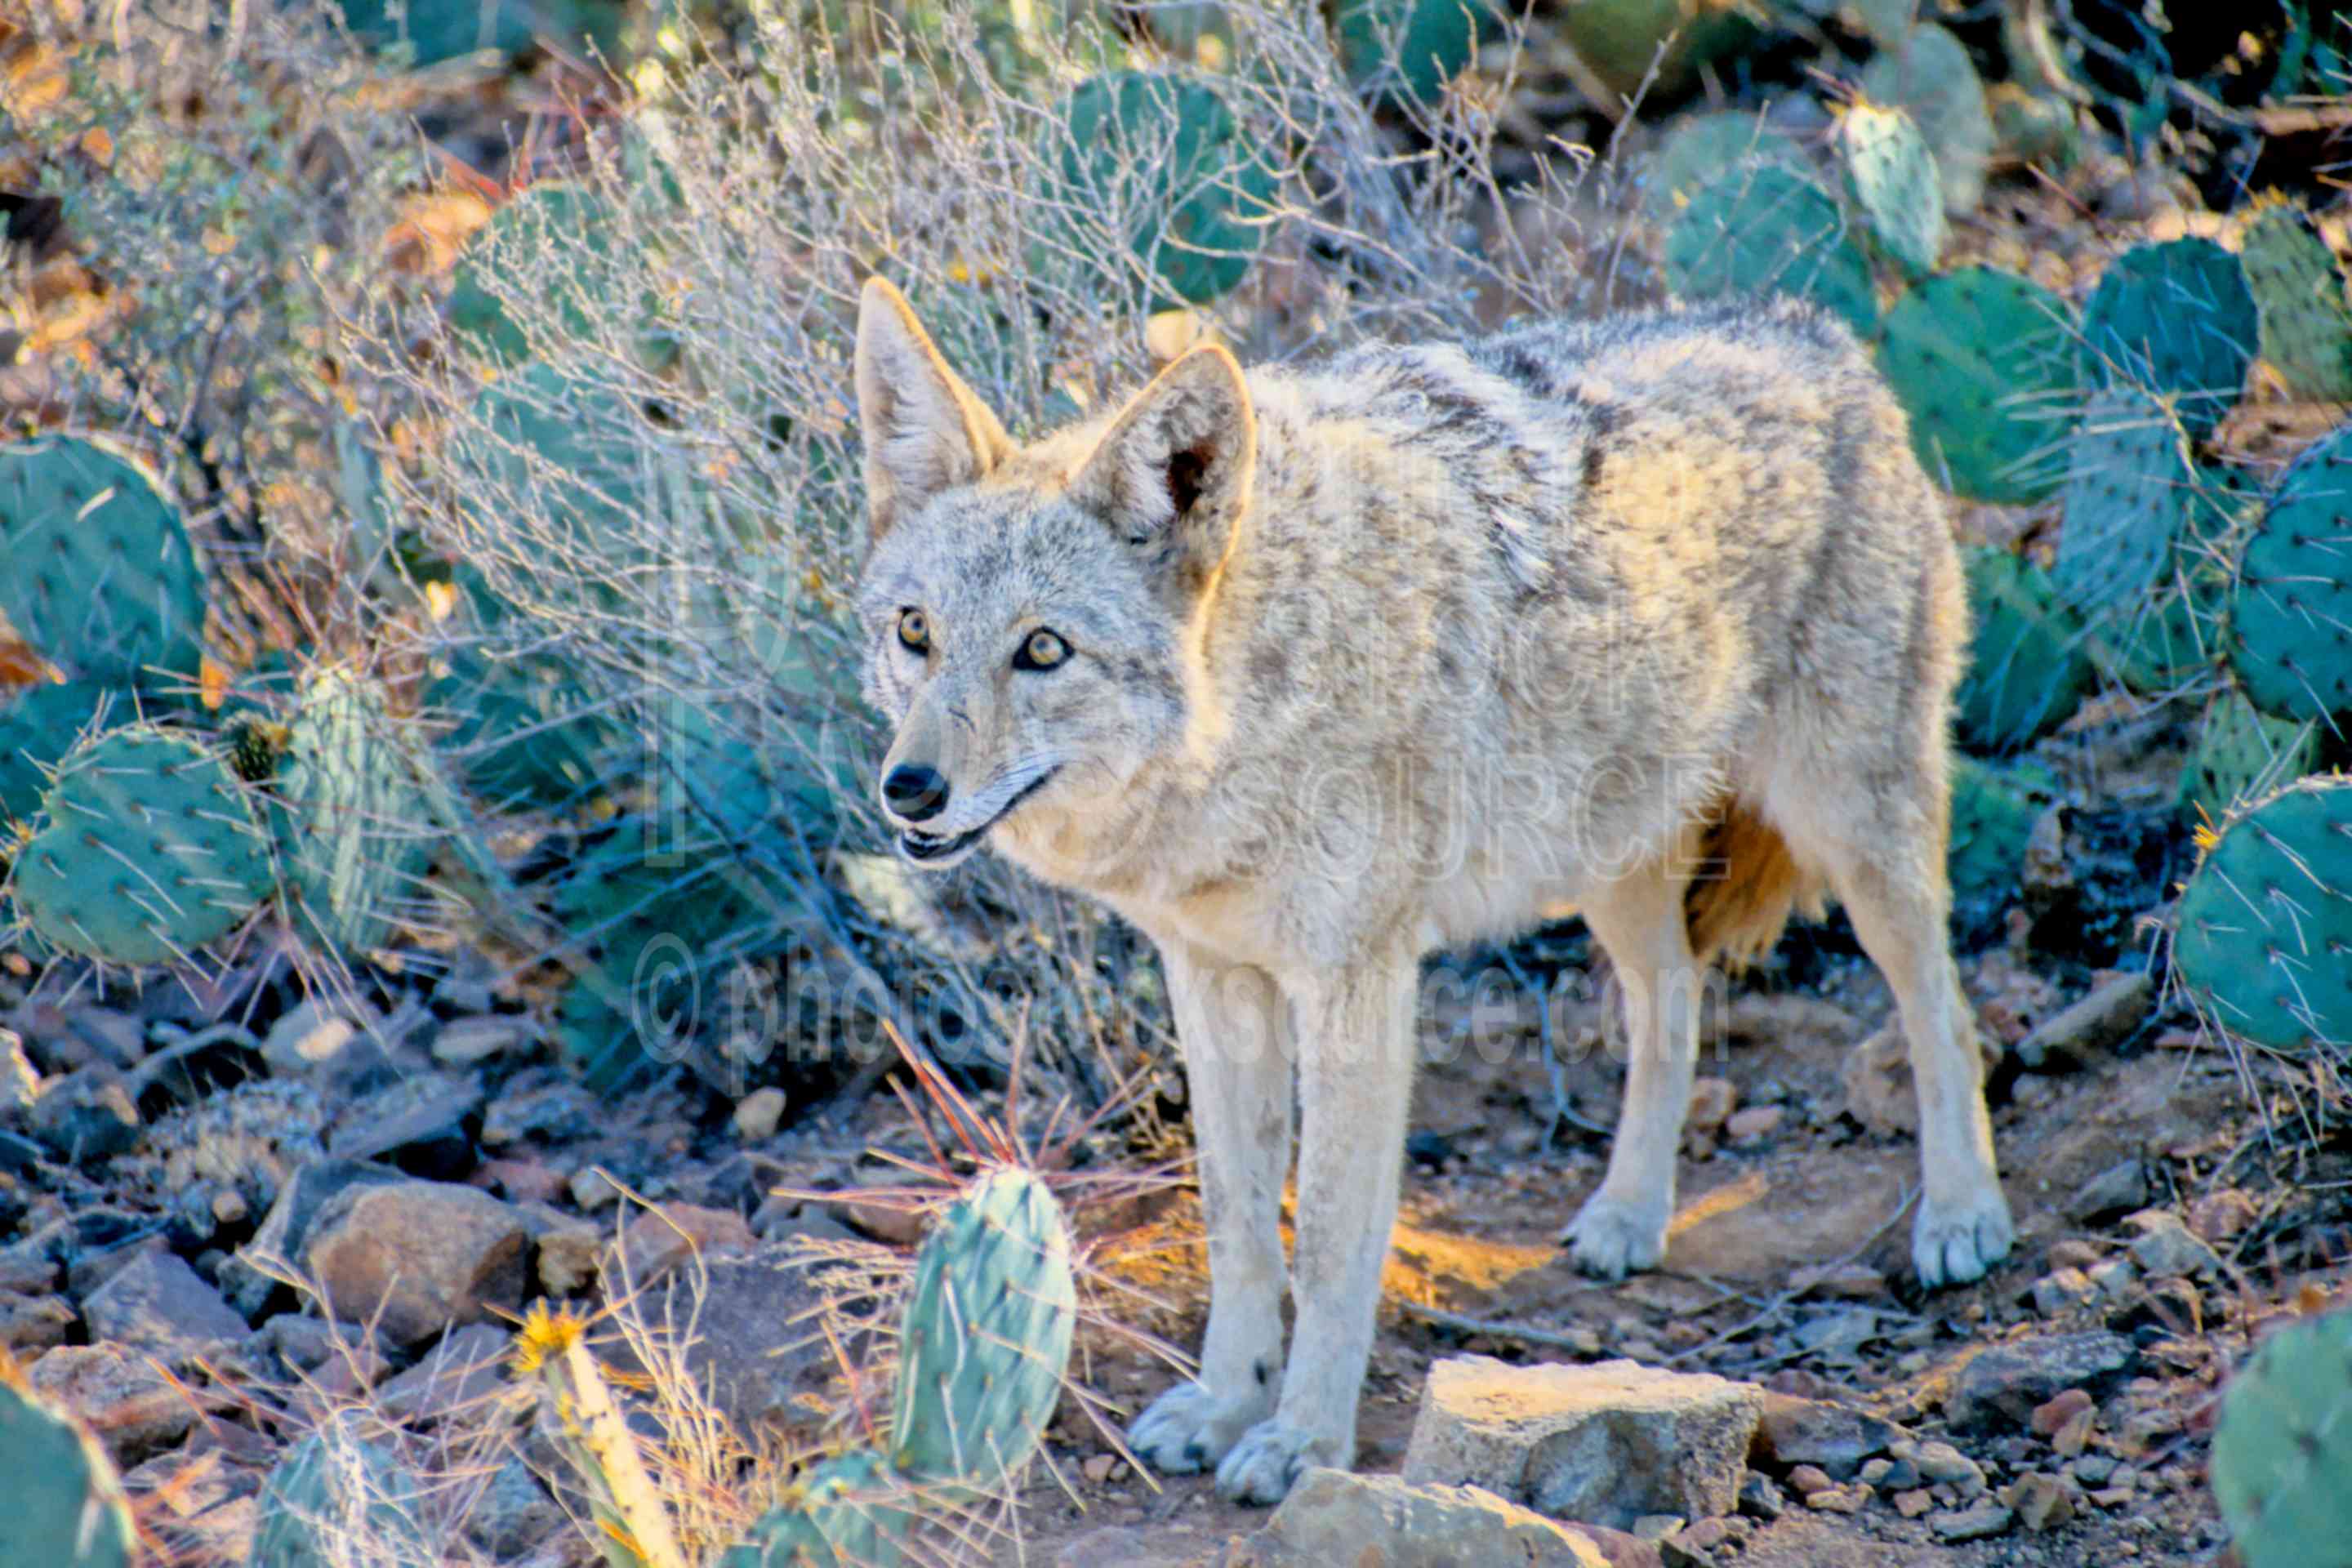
(1994, 809)
(986, 1336)
(2283, 1448)
(2263, 935)
(333, 1489)
(1983, 362)
(1431, 42)
(357, 836)
(2177, 319)
(1761, 229)
(2028, 667)
(848, 1512)
(2290, 634)
(548, 220)
(2129, 482)
(2239, 750)
(1700, 147)
(2306, 330)
(96, 570)
(1892, 176)
(1163, 159)
(1930, 76)
(149, 851)
(38, 725)
(59, 1492)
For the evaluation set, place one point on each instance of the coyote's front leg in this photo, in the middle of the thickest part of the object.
(1355, 1075)
(1237, 1075)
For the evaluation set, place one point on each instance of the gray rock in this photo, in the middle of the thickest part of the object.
(416, 1257)
(2006, 1381)
(1940, 1464)
(466, 1368)
(1986, 1518)
(417, 1122)
(249, 1279)
(1332, 1516)
(2119, 1189)
(86, 1115)
(1605, 1443)
(2070, 1038)
(2062, 1292)
(157, 1303)
(2043, 1502)
(2166, 1247)
(131, 1406)
(758, 1343)
(31, 1324)
(513, 1513)
(1791, 1431)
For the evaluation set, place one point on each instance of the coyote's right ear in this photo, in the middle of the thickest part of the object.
(925, 432)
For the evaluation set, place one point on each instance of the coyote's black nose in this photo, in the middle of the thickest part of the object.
(914, 791)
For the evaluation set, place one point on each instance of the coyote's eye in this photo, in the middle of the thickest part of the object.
(1043, 650)
(915, 630)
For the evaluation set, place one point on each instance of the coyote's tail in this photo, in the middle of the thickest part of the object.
(1738, 906)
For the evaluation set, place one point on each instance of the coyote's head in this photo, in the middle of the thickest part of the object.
(1033, 615)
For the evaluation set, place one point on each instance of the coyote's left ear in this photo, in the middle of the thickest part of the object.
(1173, 475)
(925, 431)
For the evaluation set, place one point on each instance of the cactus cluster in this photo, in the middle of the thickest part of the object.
(985, 1344)
(1162, 158)
(1927, 73)
(2129, 480)
(2263, 937)
(2283, 1448)
(60, 1499)
(1407, 50)
(353, 781)
(1701, 147)
(2238, 750)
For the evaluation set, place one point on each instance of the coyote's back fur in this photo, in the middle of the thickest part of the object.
(1307, 672)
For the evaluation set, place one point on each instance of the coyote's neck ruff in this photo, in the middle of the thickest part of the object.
(1307, 672)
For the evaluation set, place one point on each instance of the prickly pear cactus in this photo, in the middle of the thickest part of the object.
(986, 1335)
(1930, 76)
(438, 30)
(356, 831)
(38, 725)
(2028, 666)
(2173, 640)
(1983, 362)
(2177, 319)
(2283, 1448)
(147, 850)
(1892, 176)
(1994, 808)
(1701, 147)
(2306, 330)
(2129, 481)
(1163, 160)
(333, 1489)
(1762, 229)
(96, 570)
(60, 1495)
(849, 1512)
(2263, 937)
(1407, 49)
(2238, 750)
(2290, 633)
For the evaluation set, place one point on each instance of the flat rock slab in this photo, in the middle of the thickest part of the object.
(157, 1303)
(1608, 1443)
(2007, 1382)
(1332, 1518)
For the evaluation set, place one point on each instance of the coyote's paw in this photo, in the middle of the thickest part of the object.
(1270, 1457)
(1610, 1238)
(1953, 1243)
(1189, 1428)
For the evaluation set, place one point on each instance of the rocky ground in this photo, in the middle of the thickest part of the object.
(211, 1236)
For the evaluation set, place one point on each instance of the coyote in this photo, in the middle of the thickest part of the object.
(1308, 672)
